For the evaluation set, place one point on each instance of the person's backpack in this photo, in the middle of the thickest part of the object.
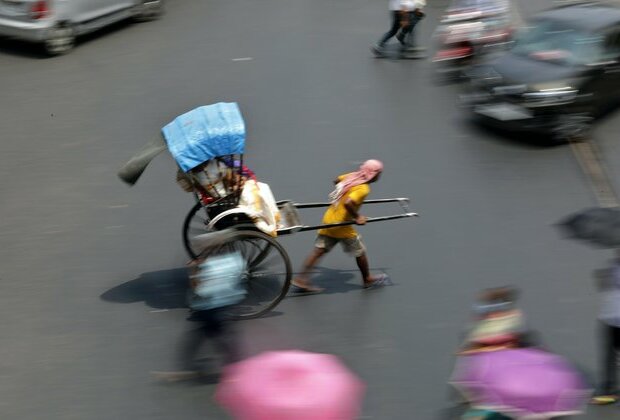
(218, 282)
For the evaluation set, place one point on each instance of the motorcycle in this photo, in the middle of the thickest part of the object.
(468, 30)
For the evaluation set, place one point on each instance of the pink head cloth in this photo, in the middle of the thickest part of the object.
(367, 171)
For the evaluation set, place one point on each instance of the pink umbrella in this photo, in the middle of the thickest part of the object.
(290, 385)
(523, 383)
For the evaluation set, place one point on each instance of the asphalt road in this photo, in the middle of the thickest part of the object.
(90, 269)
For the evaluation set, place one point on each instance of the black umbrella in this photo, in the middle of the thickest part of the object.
(131, 171)
(598, 226)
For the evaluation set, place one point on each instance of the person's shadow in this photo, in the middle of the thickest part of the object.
(165, 289)
(168, 289)
(335, 281)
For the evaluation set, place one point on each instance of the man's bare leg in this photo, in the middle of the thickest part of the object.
(362, 263)
(301, 280)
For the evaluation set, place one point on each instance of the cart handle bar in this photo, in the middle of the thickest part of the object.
(327, 204)
(331, 225)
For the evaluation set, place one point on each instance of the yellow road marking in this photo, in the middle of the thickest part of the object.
(590, 159)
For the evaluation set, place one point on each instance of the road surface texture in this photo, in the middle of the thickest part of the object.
(91, 270)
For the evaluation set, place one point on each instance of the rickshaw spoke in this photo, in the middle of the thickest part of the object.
(199, 222)
(267, 264)
(195, 230)
(256, 274)
(260, 254)
(195, 224)
(268, 269)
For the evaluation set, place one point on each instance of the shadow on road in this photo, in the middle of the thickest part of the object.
(16, 47)
(531, 140)
(336, 281)
(513, 138)
(21, 49)
(165, 289)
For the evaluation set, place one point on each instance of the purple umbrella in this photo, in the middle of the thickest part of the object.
(523, 383)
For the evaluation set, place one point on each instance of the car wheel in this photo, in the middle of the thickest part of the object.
(575, 127)
(60, 40)
(149, 10)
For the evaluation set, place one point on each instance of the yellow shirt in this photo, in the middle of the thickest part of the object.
(337, 212)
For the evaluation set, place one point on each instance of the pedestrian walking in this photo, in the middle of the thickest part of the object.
(215, 288)
(405, 15)
(347, 198)
(498, 323)
(608, 281)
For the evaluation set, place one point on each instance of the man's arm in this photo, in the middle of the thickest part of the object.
(405, 6)
(350, 206)
(419, 5)
(404, 21)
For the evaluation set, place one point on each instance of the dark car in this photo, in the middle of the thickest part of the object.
(561, 72)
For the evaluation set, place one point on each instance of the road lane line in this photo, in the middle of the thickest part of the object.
(590, 159)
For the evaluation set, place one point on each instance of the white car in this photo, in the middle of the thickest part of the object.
(56, 23)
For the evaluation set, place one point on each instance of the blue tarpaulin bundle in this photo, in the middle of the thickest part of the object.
(219, 282)
(205, 133)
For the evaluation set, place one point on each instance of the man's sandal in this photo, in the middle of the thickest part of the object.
(381, 280)
(298, 290)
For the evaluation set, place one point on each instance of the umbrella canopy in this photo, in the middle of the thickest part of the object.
(133, 169)
(290, 385)
(521, 383)
(204, 133)
(598, 226)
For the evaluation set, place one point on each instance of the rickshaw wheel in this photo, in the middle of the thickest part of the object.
(195, 223)
(268, 272)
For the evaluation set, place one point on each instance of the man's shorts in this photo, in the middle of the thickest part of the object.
(353, 246)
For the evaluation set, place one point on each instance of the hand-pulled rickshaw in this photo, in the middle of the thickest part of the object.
(208, 145)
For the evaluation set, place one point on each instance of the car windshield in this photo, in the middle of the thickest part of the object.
(479, 5)
(550, 41)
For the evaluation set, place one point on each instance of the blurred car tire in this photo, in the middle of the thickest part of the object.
(149, 10)
(61, 40)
